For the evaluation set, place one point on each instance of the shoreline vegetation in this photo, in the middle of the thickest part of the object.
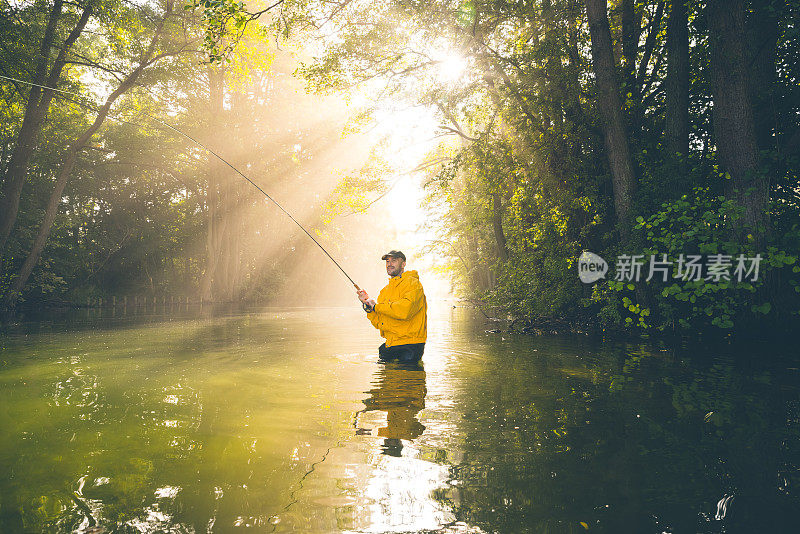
(493, 320)
(657, 128)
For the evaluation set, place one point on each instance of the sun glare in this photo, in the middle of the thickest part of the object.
(404, 137)
(451, 67)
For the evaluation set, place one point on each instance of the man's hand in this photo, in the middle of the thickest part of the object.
(362, 296)
(369, 305)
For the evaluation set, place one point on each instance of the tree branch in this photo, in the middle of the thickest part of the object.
(649, 44)
(257, 14)
(457, 132)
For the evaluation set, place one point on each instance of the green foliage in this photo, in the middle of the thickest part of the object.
(519, 186)
(226, 23)
(353, 192)
(706, 225)
(134, 214)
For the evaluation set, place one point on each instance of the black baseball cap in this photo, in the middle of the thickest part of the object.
(394, 253)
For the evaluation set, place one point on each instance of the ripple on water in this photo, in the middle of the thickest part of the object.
(272, 420)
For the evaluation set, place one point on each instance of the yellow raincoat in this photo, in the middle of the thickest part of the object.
(401, 312)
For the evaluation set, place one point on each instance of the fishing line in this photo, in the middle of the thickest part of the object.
(207, 149)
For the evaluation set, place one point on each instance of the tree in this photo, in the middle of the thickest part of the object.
(608, 104)
(734, 123)
(676, 129)
(148, 58)
(40, 96)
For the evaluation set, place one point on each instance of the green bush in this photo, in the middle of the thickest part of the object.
(728, 296)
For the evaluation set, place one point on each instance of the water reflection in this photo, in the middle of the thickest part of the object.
(272, 420)
(399, 392)
(402, 483)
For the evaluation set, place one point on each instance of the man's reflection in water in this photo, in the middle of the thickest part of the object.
(400, 392)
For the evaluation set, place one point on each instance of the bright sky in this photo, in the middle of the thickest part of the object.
(408, 136)
(412, 137)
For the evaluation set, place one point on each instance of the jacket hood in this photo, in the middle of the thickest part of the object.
(406, 274)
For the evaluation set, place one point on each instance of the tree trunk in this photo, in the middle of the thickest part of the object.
(235, 260)
(66, 169)
(211, 256)
(497, 226)
(39, 100)
(631, 29)
(225, 279)
(676, 128)
(762, 32)
(14, 178)
(215, 213)
(734, 126)
(55, 198)
(574, 110)
(610, 110)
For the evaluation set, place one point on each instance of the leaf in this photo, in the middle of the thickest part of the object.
(763, 308)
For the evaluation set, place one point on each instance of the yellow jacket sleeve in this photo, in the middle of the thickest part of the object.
(373, 318)
(404, 307)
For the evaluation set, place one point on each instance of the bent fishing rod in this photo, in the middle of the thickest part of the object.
(204, 147)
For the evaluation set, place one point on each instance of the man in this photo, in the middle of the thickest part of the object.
(400, 313)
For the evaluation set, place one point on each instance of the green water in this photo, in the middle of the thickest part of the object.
(282, 420)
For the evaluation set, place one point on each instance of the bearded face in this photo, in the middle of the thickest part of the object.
(394, 266)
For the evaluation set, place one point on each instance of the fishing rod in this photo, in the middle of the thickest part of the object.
(207, 149)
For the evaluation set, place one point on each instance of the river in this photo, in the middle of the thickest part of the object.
(282, 420)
